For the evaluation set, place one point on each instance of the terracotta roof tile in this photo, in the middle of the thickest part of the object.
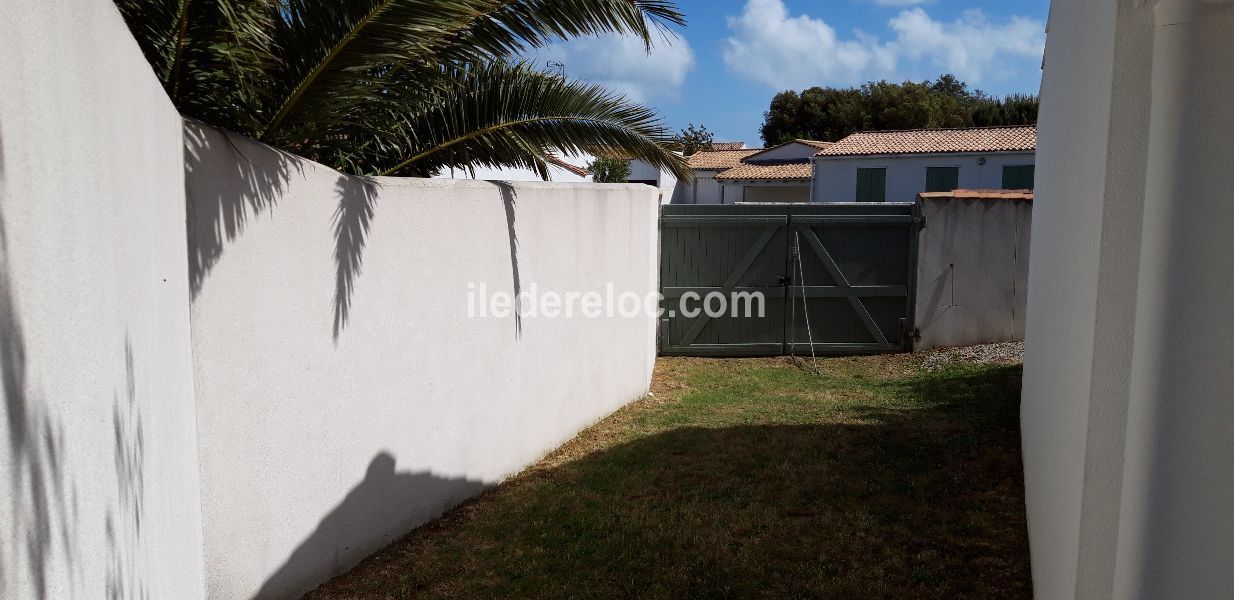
(728, 145)
(770, 169)
(1025, 195)
(718, 160)
(923, 141)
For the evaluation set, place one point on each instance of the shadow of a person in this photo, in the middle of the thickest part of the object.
(381, 508)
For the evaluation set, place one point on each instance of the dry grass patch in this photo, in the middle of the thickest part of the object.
(750, 477)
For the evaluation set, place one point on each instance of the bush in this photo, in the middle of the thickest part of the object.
(609, 170)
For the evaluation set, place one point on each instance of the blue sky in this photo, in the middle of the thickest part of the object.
(723, 68)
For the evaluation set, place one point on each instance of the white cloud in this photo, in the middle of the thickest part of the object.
(900, 2)
(623, 64)
(769, 46)
(971, 47)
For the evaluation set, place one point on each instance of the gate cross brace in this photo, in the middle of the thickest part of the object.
(733, 279)
(841, 281)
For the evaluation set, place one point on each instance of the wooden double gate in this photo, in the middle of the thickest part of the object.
(839, 276)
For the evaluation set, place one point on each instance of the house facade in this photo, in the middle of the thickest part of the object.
(707, 164)
(781, 173)
(895, 166)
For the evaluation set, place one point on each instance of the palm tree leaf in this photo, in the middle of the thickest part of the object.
(333, 50)
(212, 56)
(502, 114)
(407, 86)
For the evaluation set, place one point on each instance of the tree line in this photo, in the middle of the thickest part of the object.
(829, 114)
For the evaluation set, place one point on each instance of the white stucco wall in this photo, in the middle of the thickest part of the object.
(1126, 412)
(323, 438)
(835, 177)
(1178, 492)
(99, 495)
(972, 271)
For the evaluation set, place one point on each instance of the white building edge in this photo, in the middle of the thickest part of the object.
(1128, 404)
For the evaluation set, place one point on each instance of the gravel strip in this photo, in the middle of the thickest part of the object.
(1007, 353)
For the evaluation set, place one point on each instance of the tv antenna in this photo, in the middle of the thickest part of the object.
(559, 67)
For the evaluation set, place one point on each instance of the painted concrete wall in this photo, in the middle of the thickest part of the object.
(972, 271)
(1126, 411)
(835, 177)
(1178, 493)
(344, 395)
(99, 496)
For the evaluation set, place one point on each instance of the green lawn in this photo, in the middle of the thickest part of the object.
(750, 477)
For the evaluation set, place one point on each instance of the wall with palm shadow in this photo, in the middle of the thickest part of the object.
(98, 463)
(330, 320)
(147, 457)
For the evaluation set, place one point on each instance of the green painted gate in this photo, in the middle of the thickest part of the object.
(839, 274)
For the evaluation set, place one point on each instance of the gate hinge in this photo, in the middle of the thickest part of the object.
(786, 281)
(908, 332)
(919, 221)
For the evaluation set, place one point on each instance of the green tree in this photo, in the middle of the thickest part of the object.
(401, 87)
(1011, 110)
(780, 120)
(832, 113)
(692, 139)
(606, 169)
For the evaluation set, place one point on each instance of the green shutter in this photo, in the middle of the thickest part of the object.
(1018, 177)
(942, 179)
(872, 185)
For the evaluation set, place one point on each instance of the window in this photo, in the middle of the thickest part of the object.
(1018, 177)
(942, 179)
(872, 185)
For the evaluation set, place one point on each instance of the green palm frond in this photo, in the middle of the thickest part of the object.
(370, 86)
(333, 43)
(508, 114)
(213, 56)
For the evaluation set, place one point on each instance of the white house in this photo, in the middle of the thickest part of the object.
(778, 174)
(706, 164)
(895, 166)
